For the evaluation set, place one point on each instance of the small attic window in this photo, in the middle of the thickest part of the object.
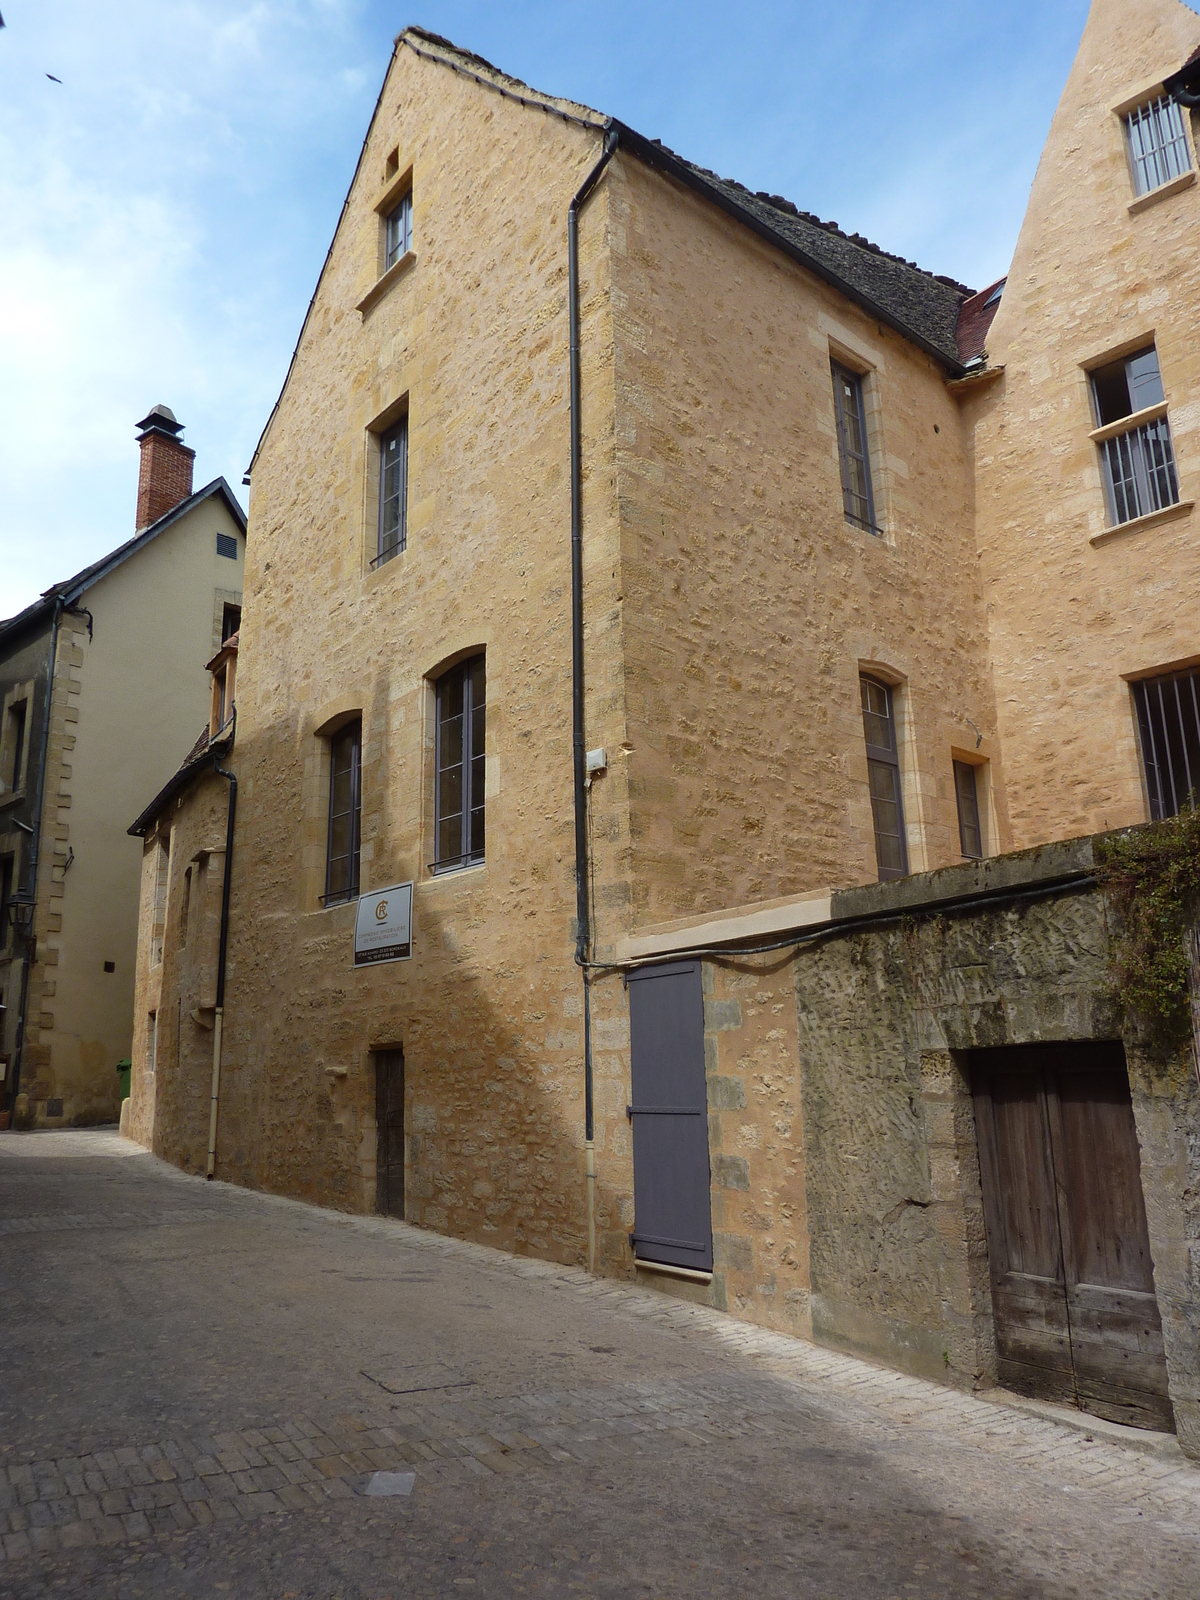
(994, 298)
(391, 165)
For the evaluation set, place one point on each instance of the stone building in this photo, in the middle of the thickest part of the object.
(640, 573)
(94, 679)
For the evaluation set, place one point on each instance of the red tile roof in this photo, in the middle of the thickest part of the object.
(975, 320)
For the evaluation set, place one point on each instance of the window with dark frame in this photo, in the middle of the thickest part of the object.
(231, 621)
(883, 776)
(398, 233)
(459, 787)
(966, 792)
(393, 493)
(12, 775)
(858, 502)
(1139, 462)
(1168, 715)
(345, 814)
(1158, 147)
(7, 870)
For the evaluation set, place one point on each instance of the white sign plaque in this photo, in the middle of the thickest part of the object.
(383, 927)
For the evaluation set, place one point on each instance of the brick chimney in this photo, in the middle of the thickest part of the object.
(165, 477)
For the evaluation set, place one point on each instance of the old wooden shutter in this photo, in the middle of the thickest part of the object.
(1072, 1280)
(670, 1116)
(389, 1126)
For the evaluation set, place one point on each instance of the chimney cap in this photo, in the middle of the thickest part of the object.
(160, 419)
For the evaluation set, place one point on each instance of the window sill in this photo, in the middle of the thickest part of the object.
(12, 798)
(438, 874)
(1163, 192)
(381, 285)
(1135, 419)
(1135, 525)
(666, 1270)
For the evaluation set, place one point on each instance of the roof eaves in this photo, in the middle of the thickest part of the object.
(658, 156)
(194, 764)
(73, 588)
(69, 591)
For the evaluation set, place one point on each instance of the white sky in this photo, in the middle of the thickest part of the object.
(164, 212)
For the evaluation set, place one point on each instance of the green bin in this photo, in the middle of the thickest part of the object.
(125, 1068)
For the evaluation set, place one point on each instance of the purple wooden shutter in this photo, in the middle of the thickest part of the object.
(670, 1116)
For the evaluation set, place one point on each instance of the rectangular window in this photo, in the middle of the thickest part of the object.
(458, 801)
(970, 834)
(162, 868)
(393, 493)
(1158, 147)
(345, 814)
(227, 546)
(231, 621)
(7, 869)
(1168, 713)
(853, 456)
(1139, 462)
(185, 910)
(883, 775)
(12, 748)
(399, 233)
(152, 1043)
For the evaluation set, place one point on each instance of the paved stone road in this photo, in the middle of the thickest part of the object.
(199, 1384)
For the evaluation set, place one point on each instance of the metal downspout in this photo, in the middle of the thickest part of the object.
(223, 948)
(611, 140)
(35, 852)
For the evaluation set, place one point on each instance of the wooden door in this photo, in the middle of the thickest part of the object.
(389, 1126)
(1072, 1281)
(671, 1195)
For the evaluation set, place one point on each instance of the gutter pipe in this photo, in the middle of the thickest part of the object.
(223, 948)
(35, 851)
(582, 930)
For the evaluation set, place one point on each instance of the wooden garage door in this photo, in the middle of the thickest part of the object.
(1072, 1281)
(672, 1207)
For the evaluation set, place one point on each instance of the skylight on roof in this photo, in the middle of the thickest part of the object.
(994, 297)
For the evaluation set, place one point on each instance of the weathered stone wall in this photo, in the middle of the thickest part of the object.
(749, 602)
(1075, 607)
(169, 1110)
(899, 1256)
(471, 337)
(24, 674)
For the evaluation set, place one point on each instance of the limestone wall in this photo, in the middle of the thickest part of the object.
(1077, 609)
(749, 602)
(471, 337)
(899, 1255)
(177, 975)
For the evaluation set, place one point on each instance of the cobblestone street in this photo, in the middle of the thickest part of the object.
(201, 1383)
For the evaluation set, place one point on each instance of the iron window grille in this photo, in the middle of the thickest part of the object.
(1158, 147)
(393, 493)
(398, 233)
(1139, 464)
(1168, 714)
(966, 793)
(858, 501)
(459, 787)
(345, 815)
(883, 776)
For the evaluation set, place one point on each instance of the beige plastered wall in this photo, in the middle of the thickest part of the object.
(126, 705)
(1075, 610)
(471, 338)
